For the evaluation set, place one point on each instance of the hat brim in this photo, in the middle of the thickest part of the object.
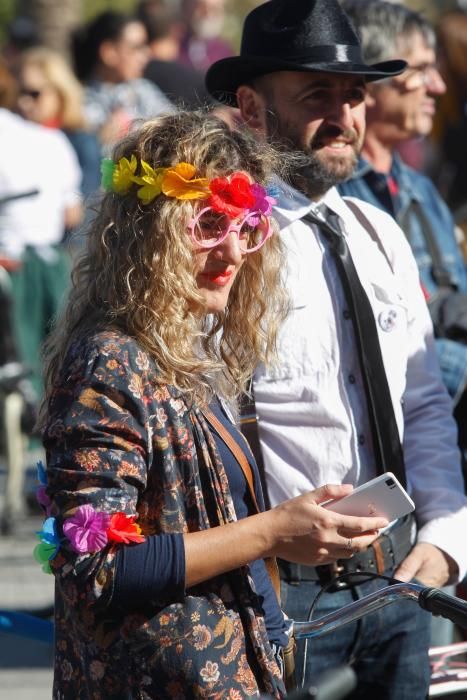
(224, 77)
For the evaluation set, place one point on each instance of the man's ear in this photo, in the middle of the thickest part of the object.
(252, 107)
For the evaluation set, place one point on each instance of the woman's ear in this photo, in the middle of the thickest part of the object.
(252, 107)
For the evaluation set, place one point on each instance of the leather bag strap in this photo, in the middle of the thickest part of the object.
(240, 456)
(249, 429)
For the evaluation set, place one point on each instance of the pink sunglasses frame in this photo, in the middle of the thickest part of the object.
(232, 228)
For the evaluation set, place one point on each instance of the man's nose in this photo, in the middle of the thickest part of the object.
(435, 84)
(340, 114)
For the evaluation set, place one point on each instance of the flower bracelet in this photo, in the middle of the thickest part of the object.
(87, 531)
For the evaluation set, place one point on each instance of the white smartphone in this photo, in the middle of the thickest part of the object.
(383, 496)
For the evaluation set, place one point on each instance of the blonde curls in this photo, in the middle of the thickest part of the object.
(137, 272)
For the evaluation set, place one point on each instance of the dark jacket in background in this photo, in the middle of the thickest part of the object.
(416, 192)
(183, 85)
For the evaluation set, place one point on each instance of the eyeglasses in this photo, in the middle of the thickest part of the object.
(209, 228)
(415, 77)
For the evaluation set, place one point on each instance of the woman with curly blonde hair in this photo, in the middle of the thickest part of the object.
(156, 531)
(138, 272)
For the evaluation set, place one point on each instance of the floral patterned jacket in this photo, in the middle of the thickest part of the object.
(120, 441)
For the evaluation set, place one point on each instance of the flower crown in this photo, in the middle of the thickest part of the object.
(233, 195)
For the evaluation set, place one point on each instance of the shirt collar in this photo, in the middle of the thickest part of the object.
(293, 205)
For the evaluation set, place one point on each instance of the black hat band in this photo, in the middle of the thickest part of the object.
(335, 53)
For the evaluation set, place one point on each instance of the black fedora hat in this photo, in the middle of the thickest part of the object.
(294, 35)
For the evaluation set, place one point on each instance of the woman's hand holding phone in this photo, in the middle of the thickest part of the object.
(383, 495)
(306, 533)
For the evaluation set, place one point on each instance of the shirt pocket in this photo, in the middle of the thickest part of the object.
(306, 351)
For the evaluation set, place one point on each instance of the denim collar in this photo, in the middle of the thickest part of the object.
(402, 174)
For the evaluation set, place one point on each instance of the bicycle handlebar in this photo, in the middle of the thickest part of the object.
(430, 599)
(439, 603)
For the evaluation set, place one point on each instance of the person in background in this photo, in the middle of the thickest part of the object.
(182, 84)
(162, 590)
(450, 126)
(14, 374)
(348, 375)
(50, 94)
(40, 197)
(201, 44)
(398, 110)
(110, 54)
(21, 35)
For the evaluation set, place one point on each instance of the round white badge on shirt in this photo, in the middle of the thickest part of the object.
(387, 320)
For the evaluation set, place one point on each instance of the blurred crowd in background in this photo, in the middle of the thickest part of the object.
(61, 111)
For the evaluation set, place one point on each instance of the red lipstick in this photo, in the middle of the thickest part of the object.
(217, 277)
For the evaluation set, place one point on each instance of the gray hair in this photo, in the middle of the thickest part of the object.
(386, 28)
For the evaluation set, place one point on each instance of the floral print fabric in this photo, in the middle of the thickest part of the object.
(118, 440)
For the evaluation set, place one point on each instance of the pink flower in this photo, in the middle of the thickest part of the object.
(263, 201)
(87, 529)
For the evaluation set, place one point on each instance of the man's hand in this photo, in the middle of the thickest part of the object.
(430, 565)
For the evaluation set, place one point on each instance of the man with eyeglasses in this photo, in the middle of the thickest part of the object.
(399, 109)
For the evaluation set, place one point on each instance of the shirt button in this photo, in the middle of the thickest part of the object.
(346, 314)
(361, 439)
(352, 379)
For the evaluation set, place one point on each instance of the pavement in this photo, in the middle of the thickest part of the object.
(25, 664)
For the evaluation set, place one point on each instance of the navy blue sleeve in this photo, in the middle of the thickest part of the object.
(150, 572)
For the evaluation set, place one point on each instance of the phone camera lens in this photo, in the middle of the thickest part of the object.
(390, 482)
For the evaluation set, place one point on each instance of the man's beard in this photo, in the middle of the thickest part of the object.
(313, 176)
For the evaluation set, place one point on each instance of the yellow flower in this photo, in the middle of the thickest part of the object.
(150, 182)
(179, 182)
(123, 174)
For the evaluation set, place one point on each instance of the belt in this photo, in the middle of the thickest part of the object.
(384, 555)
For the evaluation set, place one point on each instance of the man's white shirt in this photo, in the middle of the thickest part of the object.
(313, 418)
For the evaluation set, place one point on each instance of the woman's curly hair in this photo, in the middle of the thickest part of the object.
(137, 273)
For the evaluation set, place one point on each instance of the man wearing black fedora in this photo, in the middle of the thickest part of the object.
(357, 391)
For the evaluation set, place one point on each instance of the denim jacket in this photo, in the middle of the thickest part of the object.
(415, 189)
